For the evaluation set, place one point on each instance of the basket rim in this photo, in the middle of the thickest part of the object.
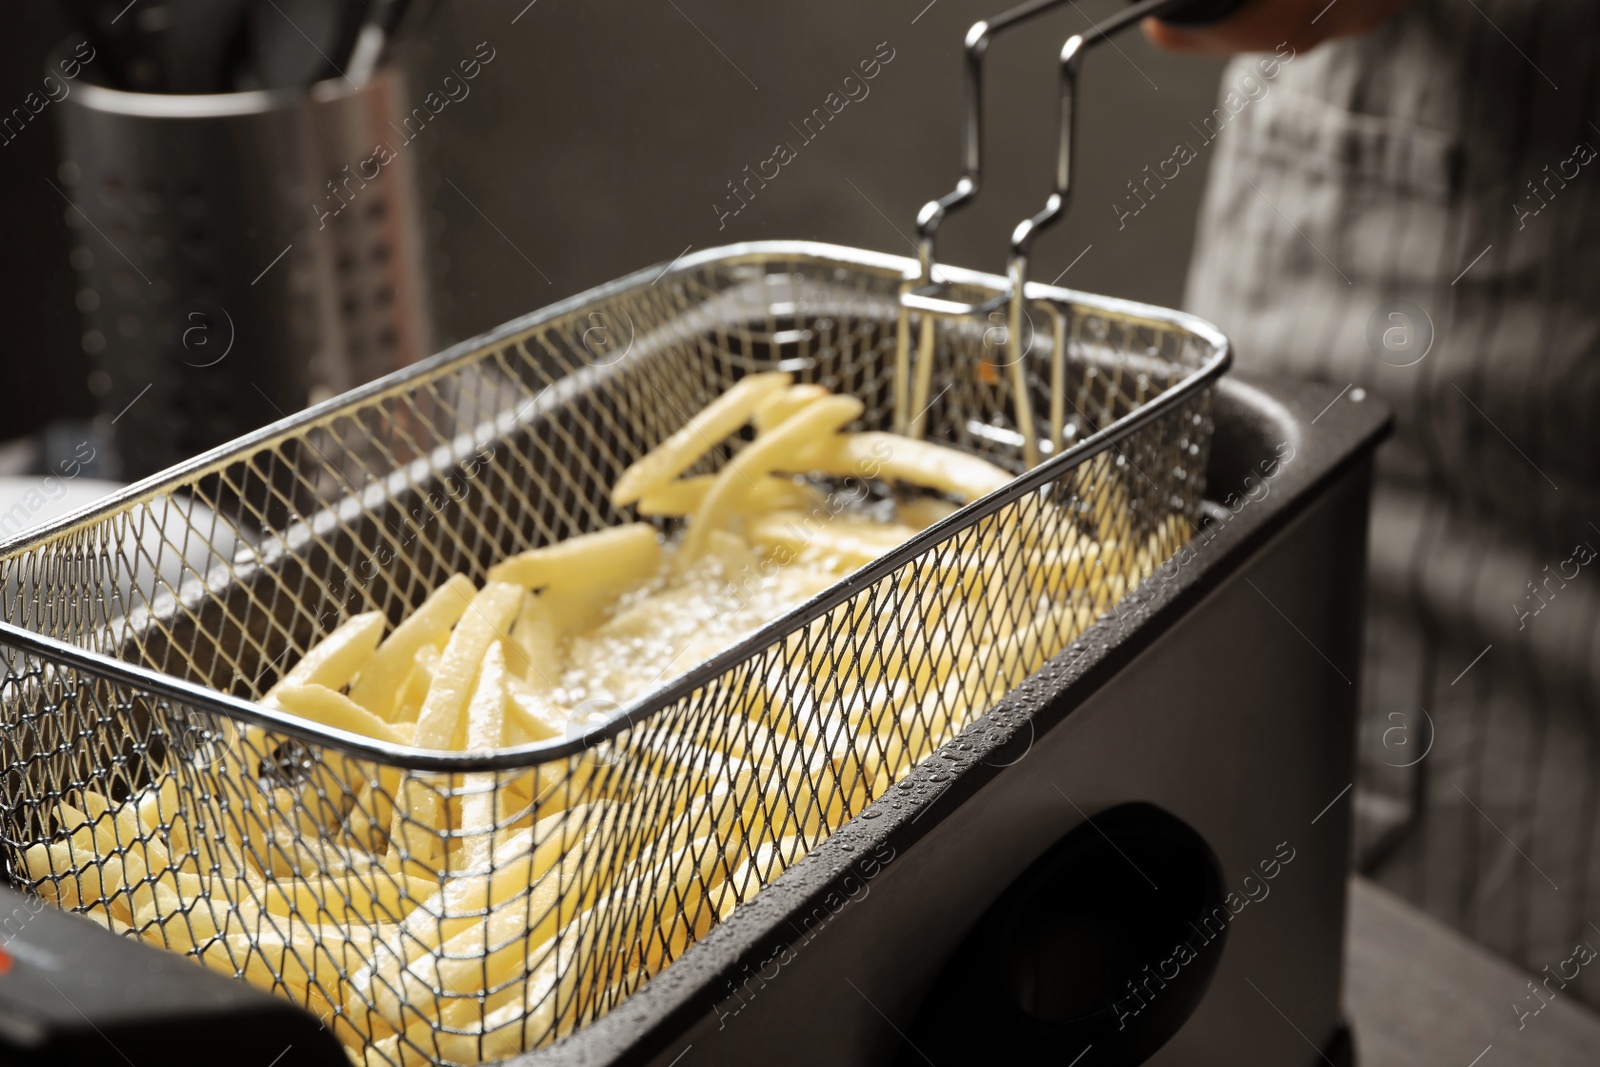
(523, 756)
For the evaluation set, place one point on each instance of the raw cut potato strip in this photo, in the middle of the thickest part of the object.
(894, 458)
(402, 978)
(532, 655)
(682, 497)
(378, 686)
(530, 715)
(486, 621)
(414, 690)
(691, 849)
(923, 511)
(417, 818)
(769, 452)
(456, 909)
(335, 659)
(698, 436)
(844, 542)
(524, 1012)
(772, 857)
(593, 563)
(486, 730)
(332, 662)
(776, 409)
(323, 705)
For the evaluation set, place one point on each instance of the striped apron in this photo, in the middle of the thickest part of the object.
(1416, 213)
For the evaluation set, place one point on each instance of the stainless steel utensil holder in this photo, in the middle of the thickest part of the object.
(240, 255)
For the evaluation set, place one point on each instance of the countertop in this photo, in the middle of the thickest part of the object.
(1418, 994)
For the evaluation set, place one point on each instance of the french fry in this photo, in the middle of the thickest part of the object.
(335, 659)
(698, 436)
(460, 905)
(623, 915)
(921, 512)
(371, 896)
(682, 497)
(414, 690)
(767, 453)
(479, 811)
(380, 680)
(418, 818)
(322, 705)
(843, 543)
(600, 564)
(776, 409)
(768, 861)
(533, 656)
(894, 458)
(615, 941)
(407, 967)
(530, 716)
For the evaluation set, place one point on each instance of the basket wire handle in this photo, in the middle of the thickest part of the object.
(1071, 62)
(916, 290)
(977, 45)
(919, 291)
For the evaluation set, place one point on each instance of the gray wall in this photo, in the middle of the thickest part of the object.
(601, 135)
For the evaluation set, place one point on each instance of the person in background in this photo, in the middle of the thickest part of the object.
(1413, 212)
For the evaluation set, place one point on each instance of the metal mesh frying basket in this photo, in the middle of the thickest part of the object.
(142, 633)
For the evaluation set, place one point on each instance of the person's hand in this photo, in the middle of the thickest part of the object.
(1263, 25)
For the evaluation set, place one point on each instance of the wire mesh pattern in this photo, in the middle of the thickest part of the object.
(571, 872)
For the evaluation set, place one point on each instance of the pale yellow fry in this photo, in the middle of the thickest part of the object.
(440, 724)
(486, 729)
(414, 690)
(486, 708)
(487, 619)
(618, 934)
(519, 862)
(322, 705)
(331, 663)
(736, 555)
(96, 833)
(616, 557)
(64, 875)
(158, 805)
(404, 968)
(767, 453)
(894, 458)
(380, 680)
(776, 409)
(365, 897)
(335, 659)
(682, 497)
(294, 952)
(518, 1024)
(613, 943)
(844, 543)
(180, 921)
(923, 511)
(768, 861)
(696, 437)
(534, 655)
(530, 715)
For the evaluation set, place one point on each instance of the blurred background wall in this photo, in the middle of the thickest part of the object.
(600, 139)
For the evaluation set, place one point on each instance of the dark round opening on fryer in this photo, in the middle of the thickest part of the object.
(1089, 920)
(1080, 953)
